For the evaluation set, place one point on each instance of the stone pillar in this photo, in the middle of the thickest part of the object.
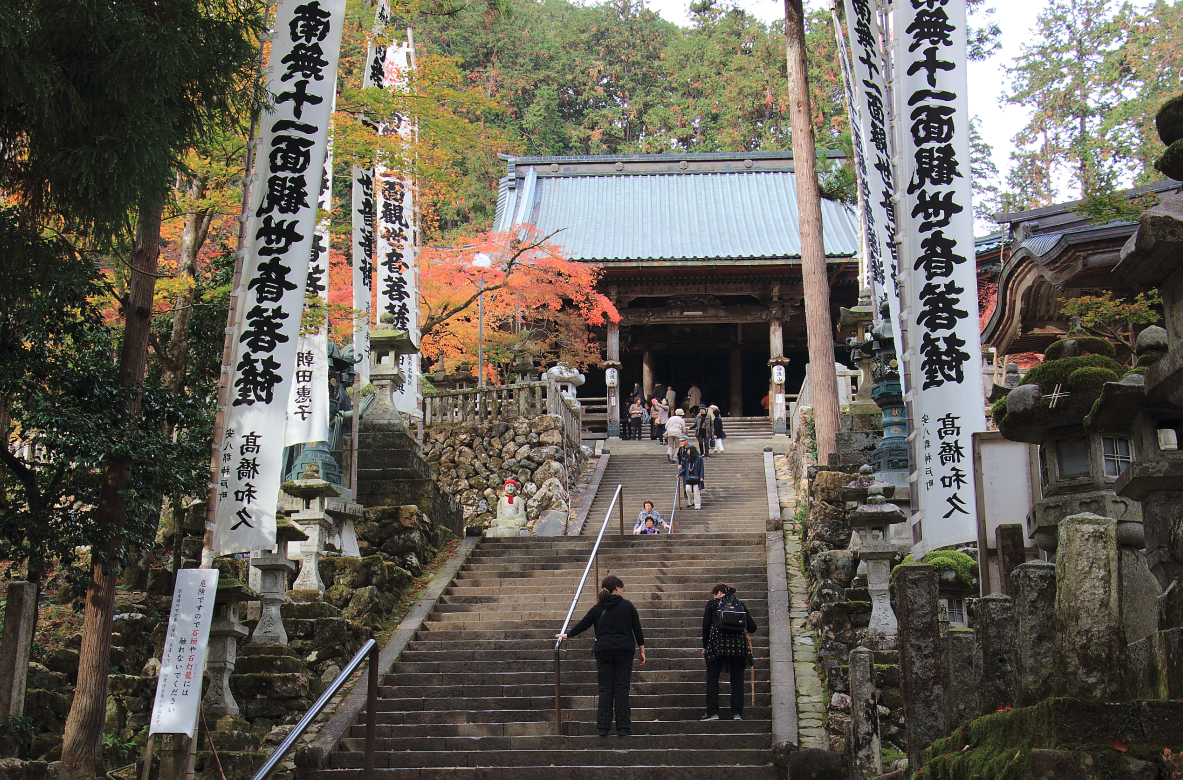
(994, 652)
(1089, 639)
(273, 586)
(224, 633)
(1033, 596)
(735, 367)
(959, 676)
(866, 760)
(647, 373)
(921, 684)
(318, 529)
(776, 401)
(613, 362)
(1011, 553)
(20, 612)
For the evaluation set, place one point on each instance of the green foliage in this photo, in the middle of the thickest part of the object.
(949, 560)
(121, 749)
(1088, 345)
(1058, 372)
(99, 100)
(19, 731)
(1118, 319)
(998, 410)
(58, 377)
(1092, 79)
(1090, 378)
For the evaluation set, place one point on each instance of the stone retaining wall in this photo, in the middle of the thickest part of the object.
(472, 462)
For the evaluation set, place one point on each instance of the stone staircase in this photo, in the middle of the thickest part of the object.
(735, 499)
(472, 696)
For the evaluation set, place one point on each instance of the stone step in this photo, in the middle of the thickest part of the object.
(612, 754)
(431, 742)
(650, 684)
(583, 675)
(490, 667)
(640, 701)
(448, 633)
(545, 714)
(550, 772)
(575, 724)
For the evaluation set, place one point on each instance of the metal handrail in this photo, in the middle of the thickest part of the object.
(593, 559)
(370, 648)
(677, 502)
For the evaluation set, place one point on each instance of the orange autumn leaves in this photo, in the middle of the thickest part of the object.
(539, 306)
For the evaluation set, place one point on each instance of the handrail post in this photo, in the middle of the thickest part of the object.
(558, 704)
(620, 507)
(371, 716)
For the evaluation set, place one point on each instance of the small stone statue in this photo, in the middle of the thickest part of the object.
(511, 513)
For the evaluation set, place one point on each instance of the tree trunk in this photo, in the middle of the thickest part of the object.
(819, 328)
(84, 726)
(196, 228)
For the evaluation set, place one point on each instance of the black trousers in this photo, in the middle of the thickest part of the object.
(714, 670)
(636, 424)
(615, 672)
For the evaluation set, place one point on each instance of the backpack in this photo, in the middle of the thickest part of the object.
(731, 616)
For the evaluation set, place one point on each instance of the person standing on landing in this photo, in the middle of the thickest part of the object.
(717, 428)
(618, 634)
(694, 397)
(675, 432)
(724, 649)
(702, 431)
(693, 477)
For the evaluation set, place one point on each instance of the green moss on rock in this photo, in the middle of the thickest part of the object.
(1080, 345)
(1082, 380)
(949, 560)
(1056, 372)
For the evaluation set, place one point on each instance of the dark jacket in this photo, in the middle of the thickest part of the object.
(700, 427)
(708, 620)
(719, 427)
(692, 472)
(616, 630)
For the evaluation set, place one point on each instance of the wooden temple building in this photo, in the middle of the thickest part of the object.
(701, 254)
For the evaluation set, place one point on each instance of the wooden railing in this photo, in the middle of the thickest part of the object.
(501, 402)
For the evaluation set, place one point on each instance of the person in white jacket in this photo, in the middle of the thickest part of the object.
(675, 432)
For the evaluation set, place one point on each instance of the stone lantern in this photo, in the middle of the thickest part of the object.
(890, 460)
(309, 512)
(873, 521)
(226, 629)
(274, 568)
(568, 379)
(1078, 467)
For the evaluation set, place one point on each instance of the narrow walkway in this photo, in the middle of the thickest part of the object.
(811, 703)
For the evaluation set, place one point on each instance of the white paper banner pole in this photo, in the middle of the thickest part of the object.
(941, 309)
(302, 75)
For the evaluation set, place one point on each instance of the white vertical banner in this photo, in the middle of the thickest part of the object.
(941, 289)
(872, 139)
(293, 141)
(182, 661)
(363, 267)
(397, 244)
(308, 405)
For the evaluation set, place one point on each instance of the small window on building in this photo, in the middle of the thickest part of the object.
(1072, 458)
(956, 612)
(1116, 454)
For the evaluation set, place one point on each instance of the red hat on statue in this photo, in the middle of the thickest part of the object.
(509, 482)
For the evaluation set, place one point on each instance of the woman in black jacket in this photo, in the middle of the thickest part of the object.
(617, 626)
(720, 650)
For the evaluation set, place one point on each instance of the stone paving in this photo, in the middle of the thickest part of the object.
(810, 692)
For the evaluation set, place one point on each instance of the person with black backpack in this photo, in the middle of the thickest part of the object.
(617, 627)
(726, 624)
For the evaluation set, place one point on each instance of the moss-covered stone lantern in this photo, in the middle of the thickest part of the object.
(1078, 468)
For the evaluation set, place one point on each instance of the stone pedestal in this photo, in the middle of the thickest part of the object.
(922, 687)
(1033, 601)
(994, 652)
(225, 631)
(20, 615)
(866, 760)
(312, 518)
(1089, 638)
(959, 674)
(873, 521)
(274, 569)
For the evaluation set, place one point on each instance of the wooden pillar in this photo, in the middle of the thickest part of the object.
(613, 364)
(647, 374)
(736, 367)
(776, 401)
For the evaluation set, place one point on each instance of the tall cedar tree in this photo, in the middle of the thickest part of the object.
(98, 103)
(819, 328)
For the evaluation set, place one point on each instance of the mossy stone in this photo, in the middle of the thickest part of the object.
(1078, 345)
(1090, 378)
(1169, 121)
(1171, 162)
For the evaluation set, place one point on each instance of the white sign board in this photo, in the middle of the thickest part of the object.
(178, 691)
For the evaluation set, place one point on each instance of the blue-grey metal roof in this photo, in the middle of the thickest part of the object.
(716, 208)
